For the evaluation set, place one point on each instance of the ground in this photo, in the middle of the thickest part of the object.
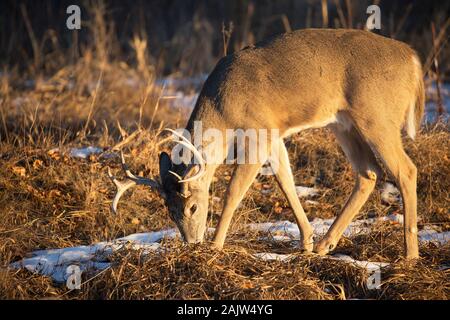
(51, 197)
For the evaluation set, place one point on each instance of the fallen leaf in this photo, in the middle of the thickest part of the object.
(37, 164)
(54, 154)
(247, 285)
(54, 193)
(18, 170)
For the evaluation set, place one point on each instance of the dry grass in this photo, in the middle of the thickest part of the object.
(50, 200)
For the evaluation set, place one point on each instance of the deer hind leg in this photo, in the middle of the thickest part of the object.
(387, 143)
(366, 169)
(285, 179)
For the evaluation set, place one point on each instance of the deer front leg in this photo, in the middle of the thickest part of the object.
(242, 178)
(285, 179)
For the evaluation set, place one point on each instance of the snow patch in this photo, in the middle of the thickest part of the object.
(429, 235)
(304, 192)
(269, 256)
(390, 194)
(54, 262)
(181, 93)
(94, 258)
(368, 265)
(289, 230)
(84, 153)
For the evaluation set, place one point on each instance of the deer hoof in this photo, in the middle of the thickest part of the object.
(307, 247)
(412, 258)
(216, 246)
(323, 247)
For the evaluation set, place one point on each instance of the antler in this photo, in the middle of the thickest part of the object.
(130, 181)
(186, 143)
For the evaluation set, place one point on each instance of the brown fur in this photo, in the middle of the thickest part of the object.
(308, 75)
(365, 87)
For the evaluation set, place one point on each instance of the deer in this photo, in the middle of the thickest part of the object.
(366, 88)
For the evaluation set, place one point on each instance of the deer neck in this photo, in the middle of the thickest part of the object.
(207, 132)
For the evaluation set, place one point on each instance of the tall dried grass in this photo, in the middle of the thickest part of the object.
(50, 200)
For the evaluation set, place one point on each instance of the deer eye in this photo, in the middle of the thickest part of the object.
(185, 195)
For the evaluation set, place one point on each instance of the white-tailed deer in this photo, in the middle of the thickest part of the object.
(364, 87)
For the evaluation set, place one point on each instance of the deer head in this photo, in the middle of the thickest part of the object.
(181, 187)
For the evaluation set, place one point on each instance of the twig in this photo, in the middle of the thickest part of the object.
(286, 24)
(348, 4)
(438, 45)
(119, 145)
(148, 89)
(91, 108)
(226, 36)
(340, 14)
(5, 127)
(324, 14)
(440, 105)
(157, 104)
(88, 280)
(34, 42)
(402, 21)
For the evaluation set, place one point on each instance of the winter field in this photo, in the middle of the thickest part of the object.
(65, 120)
(55, 201)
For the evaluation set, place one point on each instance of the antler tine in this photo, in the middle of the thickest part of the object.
(197, 154)
(125, 167)
(131, 180)
(176, 175)
(121, 188)
(185, 142)
(179, 135)
(137, 179)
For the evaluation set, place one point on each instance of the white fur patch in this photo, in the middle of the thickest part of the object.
(411, 122)
(410, 125)
(319, 124)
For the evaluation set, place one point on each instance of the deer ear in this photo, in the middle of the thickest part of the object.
(165, 164)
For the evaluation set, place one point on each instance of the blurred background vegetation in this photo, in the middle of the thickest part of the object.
(188, 36)
(136, 67)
